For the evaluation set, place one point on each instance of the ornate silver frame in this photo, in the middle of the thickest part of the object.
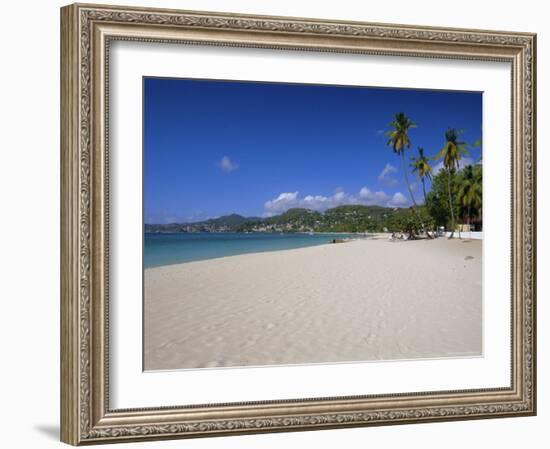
(86, 32)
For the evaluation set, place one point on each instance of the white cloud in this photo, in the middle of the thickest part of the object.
(463, 162)
(370, 198)
(399, 200)
(289, 200)
(227, 165)
(282, 203)
(366, 197)
(385, 176)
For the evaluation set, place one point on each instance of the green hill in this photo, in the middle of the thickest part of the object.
(231, 220)
(347, 218)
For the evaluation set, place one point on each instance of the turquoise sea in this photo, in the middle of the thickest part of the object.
(167, 249)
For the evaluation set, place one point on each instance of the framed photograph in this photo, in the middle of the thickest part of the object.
(279, 224)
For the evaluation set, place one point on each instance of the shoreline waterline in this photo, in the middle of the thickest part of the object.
(233, 256)
(164, 249)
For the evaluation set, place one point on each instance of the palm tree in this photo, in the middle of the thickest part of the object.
(478, 178)
(470, 190)
(478, 143)
(451, 153)
(398, 139)
(422, 168)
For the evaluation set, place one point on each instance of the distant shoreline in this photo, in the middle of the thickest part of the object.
(354, 219)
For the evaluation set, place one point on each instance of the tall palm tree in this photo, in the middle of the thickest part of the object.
(398, 139)
(451, 153)
(469, 192)
(422, 168)
(478, 179)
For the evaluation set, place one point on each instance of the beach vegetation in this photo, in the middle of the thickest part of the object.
(409, 222)
(466, 187)
(469, 193)
(399, 141)
(421, 167)
(450, 155)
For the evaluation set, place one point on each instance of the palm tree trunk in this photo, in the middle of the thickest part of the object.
(411, 193)
(424, 191)
(407, 179)
(451, 204)
(425, 202)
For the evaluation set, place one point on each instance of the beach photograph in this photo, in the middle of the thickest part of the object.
(295, 224)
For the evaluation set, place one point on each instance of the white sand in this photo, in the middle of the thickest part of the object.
(361, 300)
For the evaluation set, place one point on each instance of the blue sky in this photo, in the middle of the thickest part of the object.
(217, 147)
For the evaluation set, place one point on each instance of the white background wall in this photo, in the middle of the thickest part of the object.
(29, 221)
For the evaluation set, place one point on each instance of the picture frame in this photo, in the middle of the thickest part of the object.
(87, 32)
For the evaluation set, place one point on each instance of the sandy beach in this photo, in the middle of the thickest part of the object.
(356, 301)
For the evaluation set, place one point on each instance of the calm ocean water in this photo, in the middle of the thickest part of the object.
(166, 249)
